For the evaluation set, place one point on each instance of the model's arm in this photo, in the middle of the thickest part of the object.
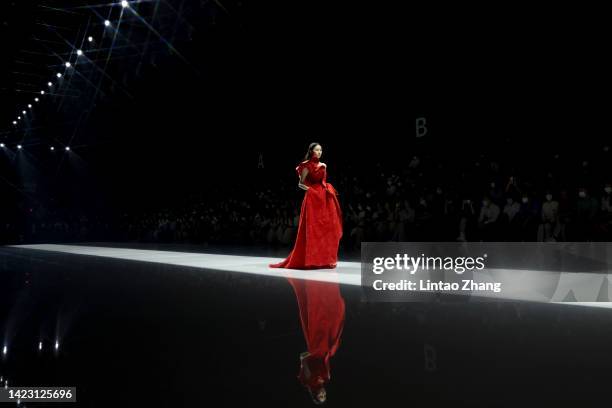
(302, 179)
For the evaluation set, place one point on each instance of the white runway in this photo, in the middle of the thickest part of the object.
(518, 285)
(346, 273)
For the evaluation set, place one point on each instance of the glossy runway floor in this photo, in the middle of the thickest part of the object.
(178, 330)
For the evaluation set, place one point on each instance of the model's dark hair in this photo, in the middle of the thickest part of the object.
(310, 149)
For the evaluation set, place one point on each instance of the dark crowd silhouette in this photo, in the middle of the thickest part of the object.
(555, 197)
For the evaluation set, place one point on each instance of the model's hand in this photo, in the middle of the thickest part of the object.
(303, 186)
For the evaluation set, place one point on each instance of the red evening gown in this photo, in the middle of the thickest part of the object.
(320, 226)
(316, 247)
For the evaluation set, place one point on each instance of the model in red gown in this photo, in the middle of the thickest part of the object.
(316, 247)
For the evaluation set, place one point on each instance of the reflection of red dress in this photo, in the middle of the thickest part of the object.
(316, 247)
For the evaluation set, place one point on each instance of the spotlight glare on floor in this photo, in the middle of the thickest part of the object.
(106, 23)
(24, 112)
(36, 99)
(14, 122)
(90, 38)
(18, 117)
(29, 105)
(52, 148)
(4, 350)
(79, 52)
(50, 83)
(124, 4)
(1, 144)
(42, 92)
(68, 65)
(67, 148)
(40, 345)
(56, 345)
(18, 148)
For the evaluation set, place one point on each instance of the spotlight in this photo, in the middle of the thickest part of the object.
(29, 105)
(58, 75)
(4, 350)
(68, 65)
(42, 92)
(18, 117)
(106, 23)
(125, 4)
(18, 148)
(14, 122)
(35, 99)
(24, 112)
(40, 345)
(90, 38)
(56, 345)
(67, 148)
(2, 145)
(50, 83)
(52, 148)
(79, 52)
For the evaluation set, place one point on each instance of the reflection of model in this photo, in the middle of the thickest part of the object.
(316, 247)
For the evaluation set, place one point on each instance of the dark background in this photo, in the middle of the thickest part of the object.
(270, 77)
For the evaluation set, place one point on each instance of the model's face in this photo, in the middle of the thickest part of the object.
(317, 151)
(321, 396)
